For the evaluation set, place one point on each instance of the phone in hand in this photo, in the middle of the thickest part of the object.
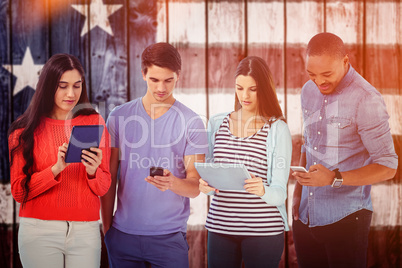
(155, 171)
(298, 169)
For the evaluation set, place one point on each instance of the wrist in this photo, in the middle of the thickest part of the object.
(55, 170)
(337, 180)
(91, 175)
(333, 176)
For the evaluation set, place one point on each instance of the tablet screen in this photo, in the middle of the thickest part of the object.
(223, 176)
(82, 138)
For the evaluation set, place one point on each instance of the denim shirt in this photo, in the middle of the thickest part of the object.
(347, 129)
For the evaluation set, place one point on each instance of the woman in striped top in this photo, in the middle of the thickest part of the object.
(249, 225)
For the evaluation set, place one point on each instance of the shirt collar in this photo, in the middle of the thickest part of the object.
(346, 80)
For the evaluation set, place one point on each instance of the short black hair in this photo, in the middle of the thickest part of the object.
(163, 55)
(326, 43)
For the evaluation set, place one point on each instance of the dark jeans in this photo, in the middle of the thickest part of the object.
(228, 251)
(141, 251)
(341, 244)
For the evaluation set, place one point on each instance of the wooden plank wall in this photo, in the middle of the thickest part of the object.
(212, 37)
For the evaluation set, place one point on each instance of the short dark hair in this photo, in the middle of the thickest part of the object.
(163, 55)
(326, 43)
(257, 68)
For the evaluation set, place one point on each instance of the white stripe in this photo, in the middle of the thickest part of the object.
(229, 212)
(247, 233)
(266, 22)
(269, 17)
(268, 223)
(238, 205)
(187, 22)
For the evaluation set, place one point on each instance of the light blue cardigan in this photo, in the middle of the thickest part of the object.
(279, 154)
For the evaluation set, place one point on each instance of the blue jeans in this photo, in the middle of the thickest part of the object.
(256, 251)
(163, 251)
(341, 244)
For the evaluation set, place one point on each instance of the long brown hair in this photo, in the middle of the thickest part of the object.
(42, 104)
(268, 104)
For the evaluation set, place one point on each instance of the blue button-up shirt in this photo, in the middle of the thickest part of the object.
(347, 129)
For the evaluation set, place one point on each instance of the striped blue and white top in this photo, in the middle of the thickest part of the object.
(239, 212)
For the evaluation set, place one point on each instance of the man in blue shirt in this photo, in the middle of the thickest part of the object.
(348, 146)
(150, 223)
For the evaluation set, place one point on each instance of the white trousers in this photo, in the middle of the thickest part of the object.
(59, 243)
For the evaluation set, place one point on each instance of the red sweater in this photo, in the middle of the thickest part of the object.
(70, 196)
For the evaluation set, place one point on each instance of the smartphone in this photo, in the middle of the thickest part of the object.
(298, 169)
(156, 171)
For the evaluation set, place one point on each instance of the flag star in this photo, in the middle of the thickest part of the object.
(27, 73)
(99, 15)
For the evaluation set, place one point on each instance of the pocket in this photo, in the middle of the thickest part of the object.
(339, 122)
(338, 130)
(108, 234)
(179, 240)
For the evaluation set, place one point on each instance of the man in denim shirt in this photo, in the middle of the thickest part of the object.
(348, 146)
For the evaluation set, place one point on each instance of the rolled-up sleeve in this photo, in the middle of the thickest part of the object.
(373, 128)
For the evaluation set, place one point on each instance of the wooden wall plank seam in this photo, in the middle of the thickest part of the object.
(142, 28)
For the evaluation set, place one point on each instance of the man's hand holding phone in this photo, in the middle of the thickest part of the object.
(316, 176)
(160, 178)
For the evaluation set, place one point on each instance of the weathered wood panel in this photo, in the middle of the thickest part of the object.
(66, 19)
(27, 54)
(5, 90)
(29, 47)
(226, 47)
(266, 37)
(106, 29)
(187, 32)
(142, 28)
(383, 70)
(345, 19)
(299, 30)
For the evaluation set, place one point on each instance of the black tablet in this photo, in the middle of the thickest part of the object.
(82, 138)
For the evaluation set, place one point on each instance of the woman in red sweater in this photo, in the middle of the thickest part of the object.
(60, 205)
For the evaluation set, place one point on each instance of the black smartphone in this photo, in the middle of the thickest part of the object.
(156, 171)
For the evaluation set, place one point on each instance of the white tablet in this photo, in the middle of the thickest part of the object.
(223, 176)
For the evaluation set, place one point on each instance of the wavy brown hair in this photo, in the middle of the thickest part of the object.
(42, 104)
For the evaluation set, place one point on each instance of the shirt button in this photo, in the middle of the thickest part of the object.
(305, 111)
(315, 148)
(320, 117)
(315, 163)
(326, 101)
(319, 132)
(311, 193)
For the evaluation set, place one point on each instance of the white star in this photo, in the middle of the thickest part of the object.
(99, 15)
(27, 73)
